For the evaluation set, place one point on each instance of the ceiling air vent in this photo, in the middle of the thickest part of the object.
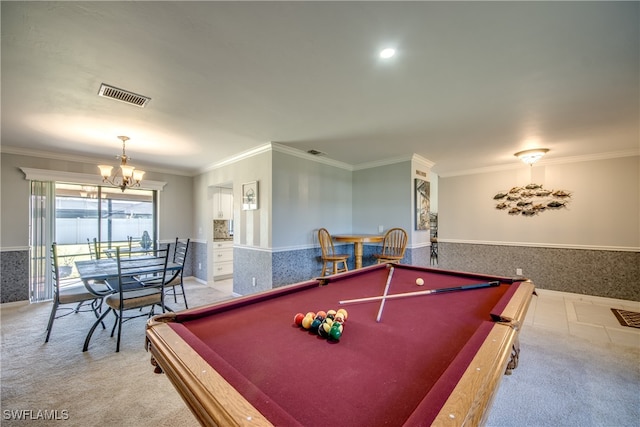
(131, 98)
(315, 152)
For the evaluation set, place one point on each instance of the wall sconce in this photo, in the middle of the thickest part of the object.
(531, 156)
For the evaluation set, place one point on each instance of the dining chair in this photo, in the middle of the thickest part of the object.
(179, 257)
(394, 246)
(329, 255)
(140, 284)
(94, 248)
(71, 292)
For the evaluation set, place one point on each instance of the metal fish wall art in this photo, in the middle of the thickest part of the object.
(531, 200)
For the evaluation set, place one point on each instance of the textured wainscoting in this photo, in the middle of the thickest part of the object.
(612, 274)
(249, 263)
(197, 257)
(296, 266)
(280, 268)
(14, 271)
(418, 256)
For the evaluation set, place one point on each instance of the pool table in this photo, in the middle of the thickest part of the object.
(431, 359)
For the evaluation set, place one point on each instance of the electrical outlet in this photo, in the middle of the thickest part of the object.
(199, 266)
(380, 229)
(518, 271)
(253, 281)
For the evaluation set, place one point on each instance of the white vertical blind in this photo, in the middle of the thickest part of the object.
(41, 235)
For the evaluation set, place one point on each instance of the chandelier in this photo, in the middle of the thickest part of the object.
(125, 177)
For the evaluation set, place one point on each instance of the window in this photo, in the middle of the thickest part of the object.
(73, 215)
(107, 214)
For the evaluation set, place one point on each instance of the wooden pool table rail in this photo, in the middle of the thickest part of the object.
(212, 400)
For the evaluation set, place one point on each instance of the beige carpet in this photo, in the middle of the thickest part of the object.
(561, 380)
(99, 387)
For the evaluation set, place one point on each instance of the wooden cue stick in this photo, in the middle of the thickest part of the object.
(427, 292)
(386, 289)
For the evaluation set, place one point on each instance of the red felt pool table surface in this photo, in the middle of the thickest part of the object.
(431, 359)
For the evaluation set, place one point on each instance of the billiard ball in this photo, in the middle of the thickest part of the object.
(315, 324)
(307, 321)
(419, 281)
(325, 327)
(331, 314)
(344, 313)
(336, 331)
(297, 319)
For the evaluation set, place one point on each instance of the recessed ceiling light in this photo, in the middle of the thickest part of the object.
(387, 53)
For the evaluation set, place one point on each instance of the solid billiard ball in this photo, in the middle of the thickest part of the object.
(336, 331)
(419, 281)
(297, 319)
(307, 321)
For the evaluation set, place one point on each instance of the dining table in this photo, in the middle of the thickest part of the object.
(358, 241)
(106, 270)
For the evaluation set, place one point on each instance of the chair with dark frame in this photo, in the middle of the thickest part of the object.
(329, 255)
(140, 284)
(394, 246)
(74, 292)
(94, 249)
(180, 250)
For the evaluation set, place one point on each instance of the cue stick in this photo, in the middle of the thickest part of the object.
(386, 289)
(427, 292)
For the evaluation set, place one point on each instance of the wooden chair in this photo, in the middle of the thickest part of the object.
(394, 246)
(74, 292)
(329, 256)
(179, 257)
(140, 284)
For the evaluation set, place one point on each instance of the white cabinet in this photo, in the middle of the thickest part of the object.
(222, 258)
(223, 203)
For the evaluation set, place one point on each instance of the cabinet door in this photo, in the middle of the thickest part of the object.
(226, 203)
(217, 205)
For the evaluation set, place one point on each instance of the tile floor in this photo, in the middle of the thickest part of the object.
(583, 316)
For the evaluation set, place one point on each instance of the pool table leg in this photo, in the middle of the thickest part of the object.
(515, 356)
(157, 369)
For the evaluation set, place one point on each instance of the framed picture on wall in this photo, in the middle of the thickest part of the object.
(250, 196)
(422, 204)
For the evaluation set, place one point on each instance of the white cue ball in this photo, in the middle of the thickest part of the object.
(419, 281)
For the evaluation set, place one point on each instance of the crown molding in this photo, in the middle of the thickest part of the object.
(81, 159)
(264, 148)
(81, 178)
(545, 162)
(304, 155)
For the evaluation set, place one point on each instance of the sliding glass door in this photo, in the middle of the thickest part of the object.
(82, 219)
(108, 215)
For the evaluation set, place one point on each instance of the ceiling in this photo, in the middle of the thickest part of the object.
(471, 82)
